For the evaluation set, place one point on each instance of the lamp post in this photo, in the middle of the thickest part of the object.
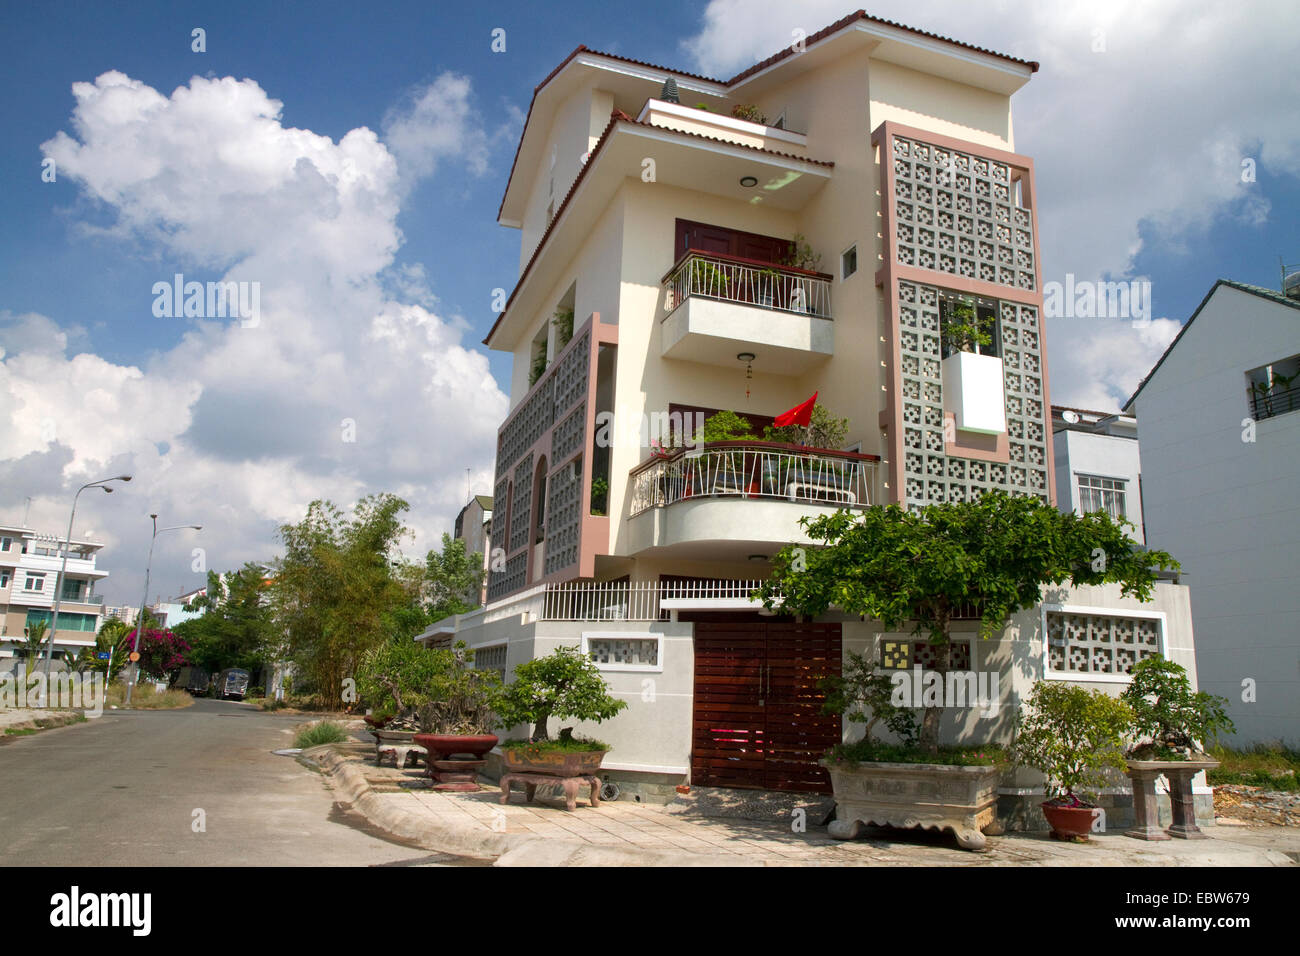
(63, 570)
(139, 622)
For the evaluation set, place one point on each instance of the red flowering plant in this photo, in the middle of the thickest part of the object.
(162, 653)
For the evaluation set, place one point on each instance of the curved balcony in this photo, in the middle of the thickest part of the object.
(728, 500)
(718, 304)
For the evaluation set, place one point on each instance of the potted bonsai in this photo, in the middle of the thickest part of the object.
(882, 784)
(1171, 723)
(567, 685)
(913, 570)
(1073, 736)
(457, 720)
(395, 679)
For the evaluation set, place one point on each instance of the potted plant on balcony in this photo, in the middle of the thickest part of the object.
(457, 719)
(826, 431)
(915, 569)
(567, 685)
(725, 472)
(1073, 736)
(749, 113)
(1171, 723)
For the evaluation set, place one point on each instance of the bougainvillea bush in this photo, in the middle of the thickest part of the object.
(162, 653)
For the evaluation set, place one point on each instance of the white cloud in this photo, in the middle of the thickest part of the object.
(436, 123)
(238, 428)
(1150, 133)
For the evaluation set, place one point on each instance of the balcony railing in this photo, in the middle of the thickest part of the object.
(1276, 401)
(748, 282)
(750, 469)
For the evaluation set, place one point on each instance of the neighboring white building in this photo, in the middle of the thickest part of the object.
(669, 270)
(29, 569)
(1098, 467)
(1220, 421)
(474, 527)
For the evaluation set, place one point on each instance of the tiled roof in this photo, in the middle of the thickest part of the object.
(1271, 294)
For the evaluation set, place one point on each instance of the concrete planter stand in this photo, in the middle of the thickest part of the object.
(1179, 773)
(399, 743)
(934, 796)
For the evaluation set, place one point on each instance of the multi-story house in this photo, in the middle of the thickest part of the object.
(1220, 415)
(692, 245)
(1098, 465)
(474, 526)
(29, 570)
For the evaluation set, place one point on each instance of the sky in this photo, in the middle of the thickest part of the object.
(356, 155)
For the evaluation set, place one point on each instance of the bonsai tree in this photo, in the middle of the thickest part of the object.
(1168, 717)
(866, 697)
(916, 568)
(824, 431)
(461, 698)
(565, 684)
(964, 329)
(398, 677)
(1073, 736)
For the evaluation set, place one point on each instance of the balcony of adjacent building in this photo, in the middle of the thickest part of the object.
(718, 306)
(740, 500)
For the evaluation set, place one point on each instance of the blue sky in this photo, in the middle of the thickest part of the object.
(1138, 146)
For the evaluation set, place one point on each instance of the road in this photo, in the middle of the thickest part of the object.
(127, 788)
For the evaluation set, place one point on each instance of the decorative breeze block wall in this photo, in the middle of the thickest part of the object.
(1082, 644)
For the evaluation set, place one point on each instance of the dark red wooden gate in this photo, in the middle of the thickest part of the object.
(758, 720)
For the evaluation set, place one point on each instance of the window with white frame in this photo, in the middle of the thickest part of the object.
(34, 582)
(621, 651)
(1087, 644)
(1102, 494)
(849, 261)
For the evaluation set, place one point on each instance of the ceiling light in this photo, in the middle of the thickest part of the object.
(749, 182)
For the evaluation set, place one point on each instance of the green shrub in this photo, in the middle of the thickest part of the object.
(1074, 736)
(326, 732)
(1169, 719)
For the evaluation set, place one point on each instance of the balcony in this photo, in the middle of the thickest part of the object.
(719, 305)
(732, 500)
(1271, 402)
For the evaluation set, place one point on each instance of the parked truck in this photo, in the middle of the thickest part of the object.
(231, 682)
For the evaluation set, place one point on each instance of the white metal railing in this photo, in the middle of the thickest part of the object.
(766, 286)
(643, 601)
(755, 470)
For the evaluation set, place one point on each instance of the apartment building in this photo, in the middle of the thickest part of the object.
(1220, 415)
(29, 570)
(1098, 464)
(474, 527)
(815, 224)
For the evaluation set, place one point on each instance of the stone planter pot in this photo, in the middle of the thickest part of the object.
(934, 796)
(442, 746)
(555, 763)
(1068, 823)
(455, 759)
(376, 723)
(399, 743)
(1179, 773)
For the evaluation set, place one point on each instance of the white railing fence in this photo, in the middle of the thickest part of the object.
(767, 287)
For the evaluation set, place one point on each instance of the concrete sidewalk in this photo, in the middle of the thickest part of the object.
(625, 833)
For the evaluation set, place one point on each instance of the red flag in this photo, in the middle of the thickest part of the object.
(799, 415)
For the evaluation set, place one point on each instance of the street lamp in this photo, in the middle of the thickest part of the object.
(63, 570)
(139, 621)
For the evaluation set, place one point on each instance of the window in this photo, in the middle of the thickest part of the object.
(6, 544)
(1274, 389)
(904, 655)
(4, 579)
(72, 590)
(616, 651)
(952, 311)
(849, 261)
(1102, 494)
(1096, 645)
(491, 659)
(34, 582)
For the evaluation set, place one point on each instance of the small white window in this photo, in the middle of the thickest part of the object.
(34, 582)
(4, 579)
(849, 261)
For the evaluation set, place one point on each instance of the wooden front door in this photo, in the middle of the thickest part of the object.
(729, 242)
(757, 715)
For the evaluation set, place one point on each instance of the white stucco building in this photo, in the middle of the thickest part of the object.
(809, 225)
(1098, 465)
(1220, 418)
(29, 573)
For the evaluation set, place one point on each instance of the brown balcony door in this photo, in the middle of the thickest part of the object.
(729, 242)
(757, 709)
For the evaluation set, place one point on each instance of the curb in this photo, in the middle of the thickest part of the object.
(53, 721)
(504, 849)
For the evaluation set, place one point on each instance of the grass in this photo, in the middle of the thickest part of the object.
(20, 731)
(144, 697)
(1271, 766)
(869, 751)
(326, 732)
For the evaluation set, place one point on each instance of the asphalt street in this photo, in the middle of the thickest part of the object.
(192, 787)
